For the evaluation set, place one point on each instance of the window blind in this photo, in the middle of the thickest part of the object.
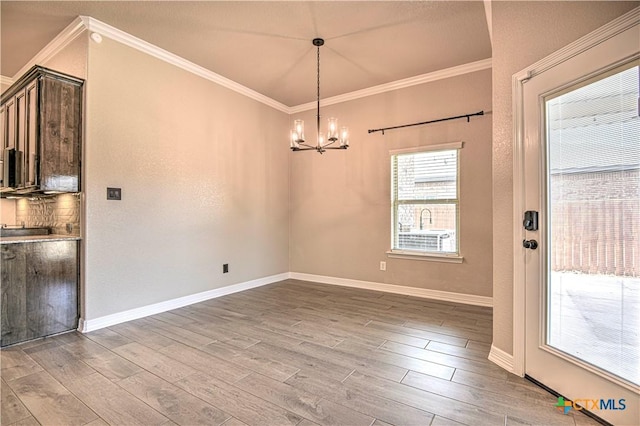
(425, 201)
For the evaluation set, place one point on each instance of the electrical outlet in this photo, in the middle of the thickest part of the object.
(225, 268)
(383, 266)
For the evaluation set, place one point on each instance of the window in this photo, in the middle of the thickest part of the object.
(425, 205)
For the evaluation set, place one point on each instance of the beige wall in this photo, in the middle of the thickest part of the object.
(204, 177)
(7, 211)
(340, 201)
(72, 59)
(523, 33)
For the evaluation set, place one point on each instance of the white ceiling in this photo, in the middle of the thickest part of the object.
(266, 45)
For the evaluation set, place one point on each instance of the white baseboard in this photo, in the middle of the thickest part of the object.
(501, 358)
(86, 326)
(467, 299)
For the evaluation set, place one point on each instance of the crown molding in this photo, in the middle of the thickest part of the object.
(62, 40)
(127, 39)
(398, 84)
(8, 81)
(83, 23)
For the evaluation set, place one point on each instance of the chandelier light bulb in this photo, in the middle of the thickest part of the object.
(344, 136)
(332, 133)
(321, 140)
(294, 140)
(298, 126)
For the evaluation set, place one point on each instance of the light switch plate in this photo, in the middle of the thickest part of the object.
(114, 193)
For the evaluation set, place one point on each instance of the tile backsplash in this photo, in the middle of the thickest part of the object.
(61, 213)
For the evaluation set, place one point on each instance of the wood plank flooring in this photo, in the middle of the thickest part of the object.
(291, 353)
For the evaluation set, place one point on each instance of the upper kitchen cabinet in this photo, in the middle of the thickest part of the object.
(41, 124)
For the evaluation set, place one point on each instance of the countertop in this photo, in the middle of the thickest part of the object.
(38, 238)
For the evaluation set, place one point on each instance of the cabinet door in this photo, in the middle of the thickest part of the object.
(60, 131)
(10, 112)
(3, 137)
(51, 287)
(21, 130)
(31, 146)
(13, 294)
(10, 168)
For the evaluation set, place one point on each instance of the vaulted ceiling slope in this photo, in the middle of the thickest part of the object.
(266, 46)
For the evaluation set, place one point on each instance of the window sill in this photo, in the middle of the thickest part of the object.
(431, 257)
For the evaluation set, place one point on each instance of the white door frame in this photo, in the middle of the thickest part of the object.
(518, 80)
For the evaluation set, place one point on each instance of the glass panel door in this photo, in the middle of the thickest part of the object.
(593, 234)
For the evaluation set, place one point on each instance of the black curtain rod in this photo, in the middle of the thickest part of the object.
(467, 116)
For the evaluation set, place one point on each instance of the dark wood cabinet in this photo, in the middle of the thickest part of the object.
(13, 294)
(41, 117)
(39, 290)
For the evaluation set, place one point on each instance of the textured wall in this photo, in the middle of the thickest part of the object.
(7, 211)
(72, 59)
(340, 201)
(204, 177)
(523, 33)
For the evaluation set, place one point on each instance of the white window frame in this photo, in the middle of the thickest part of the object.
(426, 255)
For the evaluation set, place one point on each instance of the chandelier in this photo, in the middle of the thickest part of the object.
(334, 135)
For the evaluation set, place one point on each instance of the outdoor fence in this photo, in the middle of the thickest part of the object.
(596, 237)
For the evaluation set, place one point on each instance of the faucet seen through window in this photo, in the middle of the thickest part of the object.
(425, 201)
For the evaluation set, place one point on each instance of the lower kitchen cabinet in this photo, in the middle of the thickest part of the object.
(39, 290)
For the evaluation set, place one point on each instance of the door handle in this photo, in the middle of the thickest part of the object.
(530, 244)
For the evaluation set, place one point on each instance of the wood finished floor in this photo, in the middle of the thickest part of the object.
(291, 353)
